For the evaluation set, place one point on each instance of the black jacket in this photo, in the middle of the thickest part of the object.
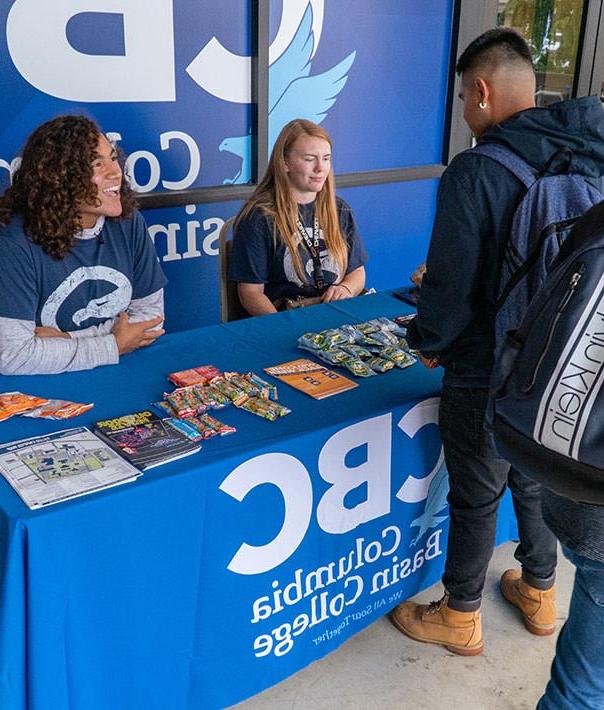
(477, 198)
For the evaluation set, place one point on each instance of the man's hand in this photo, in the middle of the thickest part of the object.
(429, 362)
(418, 275)
(44, 331)
(336, 292)
(131, 336)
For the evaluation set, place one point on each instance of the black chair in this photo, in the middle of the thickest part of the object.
(230, 306)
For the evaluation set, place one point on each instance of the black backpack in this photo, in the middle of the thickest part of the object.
(547, 391)
(549, 208)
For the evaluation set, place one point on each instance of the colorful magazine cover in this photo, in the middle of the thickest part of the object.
(145, 439)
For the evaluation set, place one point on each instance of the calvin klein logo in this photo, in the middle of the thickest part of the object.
(574, 386)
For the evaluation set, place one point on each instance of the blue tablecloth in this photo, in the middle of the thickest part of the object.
(215, 576)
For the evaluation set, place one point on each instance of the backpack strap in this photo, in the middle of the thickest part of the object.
(530, 261)
(510, 160)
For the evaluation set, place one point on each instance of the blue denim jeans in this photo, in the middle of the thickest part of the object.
(577, 680)
(477, 480)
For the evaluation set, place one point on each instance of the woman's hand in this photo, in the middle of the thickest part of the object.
(337, 292)
(131, 336)
(351, 285)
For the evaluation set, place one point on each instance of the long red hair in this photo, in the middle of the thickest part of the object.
(274, 197)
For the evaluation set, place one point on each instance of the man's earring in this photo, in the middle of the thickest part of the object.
(482, 104)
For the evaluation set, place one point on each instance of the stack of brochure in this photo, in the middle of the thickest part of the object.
(66, 464)
(145, 439)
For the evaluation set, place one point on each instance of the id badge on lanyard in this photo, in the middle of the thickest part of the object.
(313, 248)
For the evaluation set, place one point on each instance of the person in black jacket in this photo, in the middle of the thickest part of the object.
(476, 202)
(576, 679)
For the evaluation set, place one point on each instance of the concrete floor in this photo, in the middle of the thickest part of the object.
(381, 669)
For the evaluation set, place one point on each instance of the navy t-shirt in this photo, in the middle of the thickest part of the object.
(95, 281)
(257, 259)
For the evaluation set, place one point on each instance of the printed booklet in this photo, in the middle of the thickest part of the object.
(65, 464)
(311, 378)
(145, 439)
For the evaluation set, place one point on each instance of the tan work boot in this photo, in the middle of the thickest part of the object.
(538, 606)
(458, 631)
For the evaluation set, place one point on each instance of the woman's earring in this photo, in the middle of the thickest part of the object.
(482, 104)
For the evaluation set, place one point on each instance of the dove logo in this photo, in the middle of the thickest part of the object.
(101, 308)
(328, 263)
(333, 516)
(293, 91)
(434, 487)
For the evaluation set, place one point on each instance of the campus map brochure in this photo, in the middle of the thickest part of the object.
(311, 378)
(65, 464)
(145, 439)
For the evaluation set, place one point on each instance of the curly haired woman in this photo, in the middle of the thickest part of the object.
(80, 283)
(294, 237)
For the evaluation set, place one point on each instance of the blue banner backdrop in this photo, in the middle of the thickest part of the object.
(375, 80)
(153, 97)
(170, 81)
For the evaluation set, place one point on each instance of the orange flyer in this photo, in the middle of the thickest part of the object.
(311, 378)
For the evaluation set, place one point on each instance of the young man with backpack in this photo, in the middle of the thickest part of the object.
(477, 202)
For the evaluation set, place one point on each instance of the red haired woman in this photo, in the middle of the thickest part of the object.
(294, 237)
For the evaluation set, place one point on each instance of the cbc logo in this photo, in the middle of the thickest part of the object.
(146, 71)
(292, 479)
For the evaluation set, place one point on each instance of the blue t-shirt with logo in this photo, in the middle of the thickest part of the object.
(95, 281)
(257, 259)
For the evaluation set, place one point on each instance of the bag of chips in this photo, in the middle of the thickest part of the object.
(12, 403)
(58, 409)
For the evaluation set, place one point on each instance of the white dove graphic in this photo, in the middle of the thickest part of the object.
(293, 93)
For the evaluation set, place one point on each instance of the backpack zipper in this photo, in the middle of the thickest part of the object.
(568, 294)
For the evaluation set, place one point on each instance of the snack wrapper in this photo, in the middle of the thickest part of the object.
(219, 428)
(355, 335)
(58, 409)
(358, 368)
(163, 408)
(266, 389)
(204, 430)
(185, 427)
(194, 376)
(182, 402)
(384, 337)
(399, 357)
(229, 390)
(357, 351)
(265, 409)
(243, 383)
(379, 364)
(367, 328)
(310, 341)
(333, 337)
(333, 357)
(388, 325)
(12, 403)
(186, 378)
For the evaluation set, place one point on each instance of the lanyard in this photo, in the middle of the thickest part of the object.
(313, 248)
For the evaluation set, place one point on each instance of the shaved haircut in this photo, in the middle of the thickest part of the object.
(497, 48)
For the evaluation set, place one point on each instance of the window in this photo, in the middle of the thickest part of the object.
(552, 29)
